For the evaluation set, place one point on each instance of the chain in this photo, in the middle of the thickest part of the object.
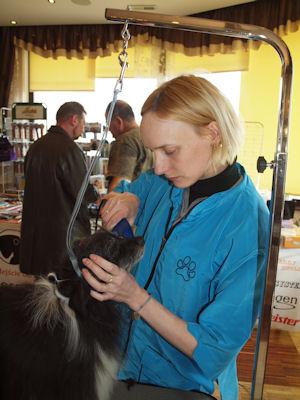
(123, 56)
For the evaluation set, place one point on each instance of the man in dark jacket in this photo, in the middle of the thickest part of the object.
(54, 170)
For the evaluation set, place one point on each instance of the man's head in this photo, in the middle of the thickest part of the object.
(71, 117)
(122, 118)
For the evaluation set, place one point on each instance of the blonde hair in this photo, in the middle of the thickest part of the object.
(196, 101)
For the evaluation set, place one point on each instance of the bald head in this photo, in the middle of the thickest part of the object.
(122, 110)
(122, 118)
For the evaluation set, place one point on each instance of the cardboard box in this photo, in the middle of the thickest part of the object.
(291, 242)
(290, 237)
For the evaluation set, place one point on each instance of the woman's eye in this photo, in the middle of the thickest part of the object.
(169, 152)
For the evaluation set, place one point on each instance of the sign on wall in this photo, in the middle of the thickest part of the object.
(286, 299)
(9, 255)
(30, 111)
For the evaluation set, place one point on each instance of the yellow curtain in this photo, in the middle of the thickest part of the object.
(152, 61)
(19, 87)
(61, 74)
(178, 63)
(144, 61)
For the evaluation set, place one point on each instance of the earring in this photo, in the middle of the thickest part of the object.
(217, 146)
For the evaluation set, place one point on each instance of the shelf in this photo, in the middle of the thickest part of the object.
(22, 141)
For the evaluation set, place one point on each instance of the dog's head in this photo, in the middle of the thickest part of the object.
(120, 250)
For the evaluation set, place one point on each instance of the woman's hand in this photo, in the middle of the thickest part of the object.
(117, 207)
(112, 283)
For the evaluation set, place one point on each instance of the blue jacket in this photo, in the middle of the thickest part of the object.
(209, 272)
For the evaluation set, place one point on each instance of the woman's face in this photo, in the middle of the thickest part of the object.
(181, 153)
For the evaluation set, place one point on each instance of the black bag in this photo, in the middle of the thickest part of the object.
(7, 152)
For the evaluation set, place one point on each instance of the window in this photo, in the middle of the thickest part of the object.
(135, 91)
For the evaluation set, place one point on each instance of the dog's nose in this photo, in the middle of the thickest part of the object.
(140, 240)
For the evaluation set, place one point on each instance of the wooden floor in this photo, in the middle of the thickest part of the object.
(282, 379)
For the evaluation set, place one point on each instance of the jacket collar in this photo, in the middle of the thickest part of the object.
(180, 197)
(55, 129)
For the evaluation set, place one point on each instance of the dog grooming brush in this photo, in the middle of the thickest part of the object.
(123, 229)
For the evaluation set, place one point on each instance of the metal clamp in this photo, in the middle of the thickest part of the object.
(262, 164)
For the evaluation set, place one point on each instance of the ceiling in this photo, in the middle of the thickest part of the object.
(65, 12)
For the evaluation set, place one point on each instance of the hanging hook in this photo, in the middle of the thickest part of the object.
(125, 34)
(123, 56)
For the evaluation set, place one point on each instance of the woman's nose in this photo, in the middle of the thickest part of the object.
(159, 165)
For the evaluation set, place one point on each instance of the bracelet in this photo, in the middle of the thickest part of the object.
(136, 312)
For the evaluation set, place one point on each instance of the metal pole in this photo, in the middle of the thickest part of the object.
(245, 31)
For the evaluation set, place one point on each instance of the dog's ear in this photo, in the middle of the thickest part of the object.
(79, 297)
(66, 270)
(77, 247)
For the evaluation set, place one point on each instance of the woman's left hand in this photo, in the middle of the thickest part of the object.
(113, 283)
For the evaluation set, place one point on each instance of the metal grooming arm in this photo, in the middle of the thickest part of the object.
(279, 164)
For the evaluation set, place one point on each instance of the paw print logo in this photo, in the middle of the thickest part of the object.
(186, 268)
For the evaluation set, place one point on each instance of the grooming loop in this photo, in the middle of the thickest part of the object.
(123, 56)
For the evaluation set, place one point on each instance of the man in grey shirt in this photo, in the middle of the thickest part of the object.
(128, 156)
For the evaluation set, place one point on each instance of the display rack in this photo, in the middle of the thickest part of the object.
(28, 123)
(89, 142)
(6, 162)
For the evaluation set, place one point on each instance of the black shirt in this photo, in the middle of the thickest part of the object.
(219, 183)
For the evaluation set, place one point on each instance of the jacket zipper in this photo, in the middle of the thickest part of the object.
(162, 245)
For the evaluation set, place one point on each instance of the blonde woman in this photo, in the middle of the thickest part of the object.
(198, 287)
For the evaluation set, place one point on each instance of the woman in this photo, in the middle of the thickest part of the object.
(198, 287)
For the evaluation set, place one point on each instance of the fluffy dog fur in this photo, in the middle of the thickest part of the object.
(56, 341)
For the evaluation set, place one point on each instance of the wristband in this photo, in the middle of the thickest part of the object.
(136, 312)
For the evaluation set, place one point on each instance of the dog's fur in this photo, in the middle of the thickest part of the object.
(56, 341)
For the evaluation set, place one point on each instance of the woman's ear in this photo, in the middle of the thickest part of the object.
(214, 132)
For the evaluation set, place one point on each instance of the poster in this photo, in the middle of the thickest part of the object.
(9, 254)
(286, 298)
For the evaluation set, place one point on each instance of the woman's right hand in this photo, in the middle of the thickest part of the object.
(117, 207)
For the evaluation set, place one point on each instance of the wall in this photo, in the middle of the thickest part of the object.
(259, 102)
